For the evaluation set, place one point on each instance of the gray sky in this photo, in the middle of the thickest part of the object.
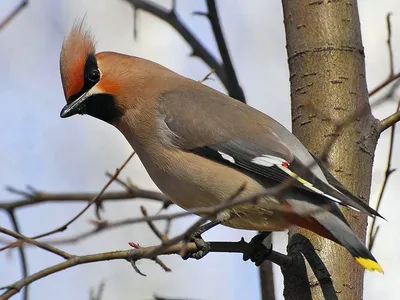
(51, 154)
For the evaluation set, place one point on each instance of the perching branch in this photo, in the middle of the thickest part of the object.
(13, 14)
(134, 255)
(223, 71)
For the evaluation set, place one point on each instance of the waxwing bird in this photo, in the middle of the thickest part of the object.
(200, 146)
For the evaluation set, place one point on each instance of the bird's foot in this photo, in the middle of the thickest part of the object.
(256, 251)
(203, 248)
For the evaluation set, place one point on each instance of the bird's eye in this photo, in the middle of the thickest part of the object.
(93, 75)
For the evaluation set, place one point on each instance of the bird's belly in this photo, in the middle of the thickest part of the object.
(190, 186)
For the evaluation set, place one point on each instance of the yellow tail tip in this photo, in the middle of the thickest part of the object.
(369, 264)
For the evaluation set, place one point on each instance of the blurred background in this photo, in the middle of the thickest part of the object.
(40, 149)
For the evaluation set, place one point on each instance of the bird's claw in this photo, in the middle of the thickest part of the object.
(256, 251)
(203, 248)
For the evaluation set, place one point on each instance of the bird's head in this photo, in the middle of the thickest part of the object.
(91, 81)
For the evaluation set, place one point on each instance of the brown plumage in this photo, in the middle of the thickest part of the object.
(199, 145)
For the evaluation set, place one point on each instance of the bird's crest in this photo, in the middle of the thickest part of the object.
(76, 48)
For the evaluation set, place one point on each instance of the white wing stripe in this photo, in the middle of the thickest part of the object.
(267, 160)
(270, 160)
(227, 157)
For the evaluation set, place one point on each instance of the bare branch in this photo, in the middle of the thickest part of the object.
(389, 121)
(384, 84)
(225, 71)
(208, 211)
(153, 227)
(395, 117)
(156, 259)
(40, 197)
(374, 230)
(133, 255)
(234, 88)
(389, 43)
(21, 238)
(207, 77)
(170, 17)
(65, 226)
(13, 14)
(21, 251)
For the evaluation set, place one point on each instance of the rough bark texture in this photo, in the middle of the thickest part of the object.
(327, 72)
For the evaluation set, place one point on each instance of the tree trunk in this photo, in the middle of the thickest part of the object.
(327, 73)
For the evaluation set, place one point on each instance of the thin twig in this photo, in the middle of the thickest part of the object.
(374, 230)
(389, 121)
(157, 260)
(41, 245)
(103, 226)
(65, 226)
(234, 88)
(199, 50)
(392, 119)
(209, 210)
(21, 251)
(40, 197)
(384, 84)
(151, 225)
(170, 17)
(389, 43)
(207, 77)
(13, 14)
(384, 124)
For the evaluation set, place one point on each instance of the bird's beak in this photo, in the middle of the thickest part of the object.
(75, 107)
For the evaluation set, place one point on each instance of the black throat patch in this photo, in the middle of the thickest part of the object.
(103, 107)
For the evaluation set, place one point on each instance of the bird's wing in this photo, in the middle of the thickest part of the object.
(242, 137)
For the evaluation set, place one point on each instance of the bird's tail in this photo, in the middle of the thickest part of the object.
(343, 235)
(333, 225)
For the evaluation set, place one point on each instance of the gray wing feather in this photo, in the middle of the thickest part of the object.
(244, 134)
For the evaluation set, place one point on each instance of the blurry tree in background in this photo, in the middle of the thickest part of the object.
(331, 115)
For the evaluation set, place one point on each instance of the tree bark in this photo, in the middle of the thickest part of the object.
(327, 77)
